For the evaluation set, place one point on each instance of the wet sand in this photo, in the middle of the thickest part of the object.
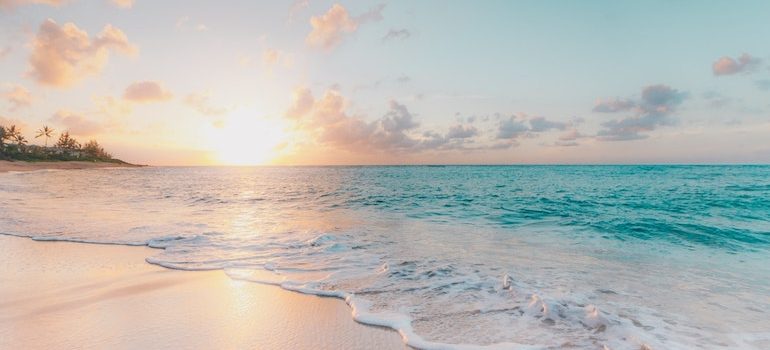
(59, 295)
(31, 166)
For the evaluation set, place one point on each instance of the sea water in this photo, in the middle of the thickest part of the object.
(586, 257)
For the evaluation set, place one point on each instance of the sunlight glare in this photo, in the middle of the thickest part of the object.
(247, 139)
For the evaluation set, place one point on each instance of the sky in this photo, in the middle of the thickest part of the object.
(184, 82)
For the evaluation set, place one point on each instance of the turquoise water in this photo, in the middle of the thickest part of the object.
(668, 257)
(724, 206)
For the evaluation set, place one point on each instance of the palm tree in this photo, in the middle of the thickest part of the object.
(11, 132)
(21, 142)
(20, 139)
(45, 131)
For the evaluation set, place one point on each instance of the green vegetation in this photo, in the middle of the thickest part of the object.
(14, 146)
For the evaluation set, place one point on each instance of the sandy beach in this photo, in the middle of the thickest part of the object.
(31, 166)
(60, 295)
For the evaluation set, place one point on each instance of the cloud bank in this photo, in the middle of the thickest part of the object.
(328, 123)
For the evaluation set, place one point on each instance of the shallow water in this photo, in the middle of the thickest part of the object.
(622, 257)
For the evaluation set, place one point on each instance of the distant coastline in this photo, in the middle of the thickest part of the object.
(67, 153)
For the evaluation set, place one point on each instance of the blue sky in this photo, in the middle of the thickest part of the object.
(399, 81)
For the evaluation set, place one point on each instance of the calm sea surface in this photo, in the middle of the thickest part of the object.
(622, 257)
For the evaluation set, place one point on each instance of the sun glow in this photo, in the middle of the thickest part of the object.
(247, 139)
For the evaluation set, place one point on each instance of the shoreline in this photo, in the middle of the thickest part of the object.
(70, 295)
(19, 165)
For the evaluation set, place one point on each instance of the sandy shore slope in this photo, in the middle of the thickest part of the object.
(29, 166)
(58, 295)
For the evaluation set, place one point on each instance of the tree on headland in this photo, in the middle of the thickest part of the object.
(2, 138)
(21, 141)
(12, 132)
(46, 132)
(93, 149)
(13, 146)
(67, 142)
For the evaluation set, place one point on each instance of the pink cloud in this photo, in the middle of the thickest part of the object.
(274, 57)
(12, 4)
(18, 97)
(303, 103)
(124, 4)
(62, 55)
(111, 107)
(328, 123)
(202, 104)
(76, 124)
(571, 135)
(330, 28)
(728, 66)
(146, 91)
(6, 122)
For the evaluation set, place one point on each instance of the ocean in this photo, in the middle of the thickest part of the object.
(452, 257)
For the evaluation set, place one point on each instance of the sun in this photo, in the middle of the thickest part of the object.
(246, 139)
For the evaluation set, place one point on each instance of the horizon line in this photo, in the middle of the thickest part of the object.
(461, 164)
